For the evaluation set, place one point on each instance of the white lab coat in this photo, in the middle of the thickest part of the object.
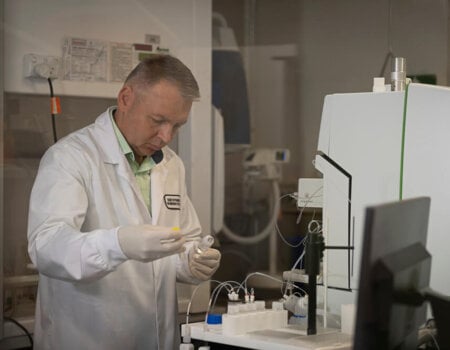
(90, 296)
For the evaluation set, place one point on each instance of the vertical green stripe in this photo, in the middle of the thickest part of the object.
(402, 154)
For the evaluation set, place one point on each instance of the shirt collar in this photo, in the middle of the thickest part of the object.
(125, 147)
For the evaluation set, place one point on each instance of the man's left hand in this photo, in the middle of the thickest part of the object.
(204, 264)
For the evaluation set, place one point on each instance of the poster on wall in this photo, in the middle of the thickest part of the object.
(85, 59)
(93, 60)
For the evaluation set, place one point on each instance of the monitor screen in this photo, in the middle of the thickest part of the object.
(395, 268)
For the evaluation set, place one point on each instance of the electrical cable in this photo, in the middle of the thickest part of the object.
(264, 275)
(389, 54)
(300, 258)
(213, 300)
(308, 199)
(426, 332)
(30, 338)
(214, 295)
(186, 336)
(278, 229)
(192, 298)
(295, 286)
(317, 229)
(434, 339)
(52, 96)
(218, 289)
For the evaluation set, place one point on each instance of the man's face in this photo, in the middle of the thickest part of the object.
(149, 119)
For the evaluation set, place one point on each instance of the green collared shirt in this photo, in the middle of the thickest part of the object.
(142, 171)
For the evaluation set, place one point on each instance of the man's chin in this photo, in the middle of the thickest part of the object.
(149, 151)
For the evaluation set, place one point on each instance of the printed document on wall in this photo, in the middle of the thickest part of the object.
(85, 59)
(121, 57)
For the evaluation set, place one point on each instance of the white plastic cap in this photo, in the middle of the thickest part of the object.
(378, 84)
(186, 334)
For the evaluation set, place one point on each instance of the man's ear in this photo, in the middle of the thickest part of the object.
(125, 98)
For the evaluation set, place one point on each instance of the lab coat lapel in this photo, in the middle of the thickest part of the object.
(158, 181)
(124, 171)
(112, 154)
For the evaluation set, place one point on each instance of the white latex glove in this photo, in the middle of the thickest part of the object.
(148, 242)
(204, 264)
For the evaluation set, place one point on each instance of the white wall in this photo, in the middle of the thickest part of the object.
(184, 26)
(40, 26)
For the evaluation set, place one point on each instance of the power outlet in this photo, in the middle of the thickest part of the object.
(41, 66)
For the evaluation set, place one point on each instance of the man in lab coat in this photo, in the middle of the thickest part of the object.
(111, 228)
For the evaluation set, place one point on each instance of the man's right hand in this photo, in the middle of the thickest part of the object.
(148, 242)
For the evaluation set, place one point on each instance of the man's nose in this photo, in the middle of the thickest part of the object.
(166, 133)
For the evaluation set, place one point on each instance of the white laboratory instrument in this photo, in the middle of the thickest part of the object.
(379, 147)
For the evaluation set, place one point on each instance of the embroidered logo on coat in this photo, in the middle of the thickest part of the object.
(172, 201)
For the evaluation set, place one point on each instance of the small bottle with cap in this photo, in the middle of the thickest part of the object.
(186, 343)
(205, 243)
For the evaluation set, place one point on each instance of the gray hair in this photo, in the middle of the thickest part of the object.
(164, 67)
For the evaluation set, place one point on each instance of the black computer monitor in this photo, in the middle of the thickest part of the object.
(395, 269)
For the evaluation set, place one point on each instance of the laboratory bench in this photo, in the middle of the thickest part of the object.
(287, 338)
